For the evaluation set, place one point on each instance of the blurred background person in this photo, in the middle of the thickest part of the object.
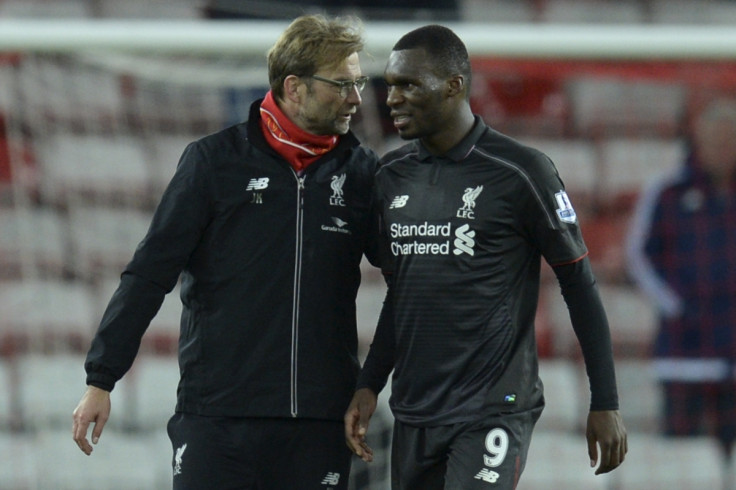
(682, 254)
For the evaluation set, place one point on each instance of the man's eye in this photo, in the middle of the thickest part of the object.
(402, 86)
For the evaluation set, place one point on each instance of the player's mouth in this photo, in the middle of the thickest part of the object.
(401, 120)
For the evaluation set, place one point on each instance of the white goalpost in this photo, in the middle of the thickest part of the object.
(642, 41)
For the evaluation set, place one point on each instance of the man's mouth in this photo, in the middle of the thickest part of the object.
(347, 116)
(400, 120)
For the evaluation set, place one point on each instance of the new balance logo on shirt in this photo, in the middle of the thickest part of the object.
(331, 479)
(487, 475)
(398, 202)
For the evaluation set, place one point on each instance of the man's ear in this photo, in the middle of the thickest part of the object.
(455, 85)
(292, 83)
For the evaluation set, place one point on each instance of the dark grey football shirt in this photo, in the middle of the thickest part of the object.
(466, 233)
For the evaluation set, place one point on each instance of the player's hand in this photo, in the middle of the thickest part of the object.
(93, 407)
(357, 419)
(606, 430)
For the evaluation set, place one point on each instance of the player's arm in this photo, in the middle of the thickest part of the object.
(357, 419)
(605, 427)
(377, 367)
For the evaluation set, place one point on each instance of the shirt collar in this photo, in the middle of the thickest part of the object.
(460, 151)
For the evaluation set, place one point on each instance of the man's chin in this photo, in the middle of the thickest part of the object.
(406, 135)
(341, 129)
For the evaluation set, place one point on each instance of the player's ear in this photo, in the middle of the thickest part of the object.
(455, 85)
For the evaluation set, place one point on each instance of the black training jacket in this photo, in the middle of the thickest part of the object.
(269, 265)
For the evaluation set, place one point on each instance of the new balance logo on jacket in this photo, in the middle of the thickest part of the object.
(257, 184)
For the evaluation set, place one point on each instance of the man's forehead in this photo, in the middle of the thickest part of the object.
(413, 55)
(347, 65)
(409, 61)
(410, 65)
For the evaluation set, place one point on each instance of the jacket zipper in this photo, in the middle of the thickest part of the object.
(297, 284)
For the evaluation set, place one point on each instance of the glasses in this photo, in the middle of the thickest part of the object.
(345, 86)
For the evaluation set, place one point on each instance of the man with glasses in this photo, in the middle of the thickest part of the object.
(266, 223)
(345, 87)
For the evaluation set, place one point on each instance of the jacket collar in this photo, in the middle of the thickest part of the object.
(255, 136)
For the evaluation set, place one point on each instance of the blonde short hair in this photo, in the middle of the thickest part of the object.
(310, 43)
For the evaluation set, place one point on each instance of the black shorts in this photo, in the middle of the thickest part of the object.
(465, 456)
(258, 453)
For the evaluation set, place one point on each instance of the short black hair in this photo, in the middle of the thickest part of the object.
(443, 45)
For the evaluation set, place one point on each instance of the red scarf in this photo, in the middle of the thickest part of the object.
(298, 147)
